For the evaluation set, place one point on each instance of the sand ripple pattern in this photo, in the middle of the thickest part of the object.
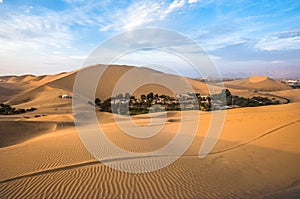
(100, 181)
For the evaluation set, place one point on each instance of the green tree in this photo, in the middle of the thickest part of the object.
(150, 98)
(143, 97)
(97, 101)
(106, 105)
(226, 92)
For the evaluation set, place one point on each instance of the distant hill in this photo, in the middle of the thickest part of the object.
(43, 91)
(114, 72)
(260, 83)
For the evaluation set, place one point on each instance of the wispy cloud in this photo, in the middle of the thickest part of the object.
(30, 36)
(220, 36)
(26, 30)
(174, 5)
(140, 14)
(192, 1)
(232, 30)
(289, 40)
(35, 27)
(135, 15)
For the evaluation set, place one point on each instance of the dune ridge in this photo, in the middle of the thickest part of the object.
(261, 83)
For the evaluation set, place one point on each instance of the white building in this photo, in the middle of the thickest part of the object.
(66, 96)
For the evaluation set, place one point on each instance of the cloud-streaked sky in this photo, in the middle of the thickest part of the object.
(243, 37)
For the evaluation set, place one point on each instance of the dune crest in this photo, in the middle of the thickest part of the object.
(38, 87)
(256, 79)
(259, 83)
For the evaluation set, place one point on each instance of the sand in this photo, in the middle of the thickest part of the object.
(259, 83)
(293, 95)
(29, 86)
(257, 155)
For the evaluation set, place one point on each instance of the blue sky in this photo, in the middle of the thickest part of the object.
(243, 37)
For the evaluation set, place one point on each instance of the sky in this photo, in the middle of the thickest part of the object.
(242, 37)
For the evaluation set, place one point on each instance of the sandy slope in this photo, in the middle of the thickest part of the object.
(13, 132)
(293, 95)
(13, 88)
(9, 89)
(114, 72)
(42, 91)
(45, 99)
(261, 83)
(257, 155)
(6, 94)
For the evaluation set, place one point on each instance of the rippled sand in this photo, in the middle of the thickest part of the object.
(256, 156)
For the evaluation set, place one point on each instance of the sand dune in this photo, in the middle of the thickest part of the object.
(31, 90)
(257, 155)
(14, 132)
(15, 79)
(32, 79)
(246, 161)
(44, 98)
(10, 89)
(6, 94)
(15, 87)
(293, 95)
(42, 91)
(261, 83)
(30, 87)
(114, 72)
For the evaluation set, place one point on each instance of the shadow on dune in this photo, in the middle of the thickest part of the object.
(15, 132)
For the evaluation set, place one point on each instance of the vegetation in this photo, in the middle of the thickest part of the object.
(225, 99)
(254, 101)
(6, 109)
(130, 105)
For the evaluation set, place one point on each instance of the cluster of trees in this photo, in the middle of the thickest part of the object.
(6, 109)
(143, 105)
(205, 104)
(127, 104)
(130, 105)
(104, 105)
(254, 101)
(225, 98)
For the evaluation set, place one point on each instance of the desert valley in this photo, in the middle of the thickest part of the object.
(42, 155)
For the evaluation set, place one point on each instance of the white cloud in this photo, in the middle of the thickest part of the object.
(106, 28)
(1, 1)
(235, 32)
(192, 1)
(214, 42)
(38, 27)
(136, 15)
(174, 5)
(32, 39)
(139, 14)
(25, 30)
(280, 41)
